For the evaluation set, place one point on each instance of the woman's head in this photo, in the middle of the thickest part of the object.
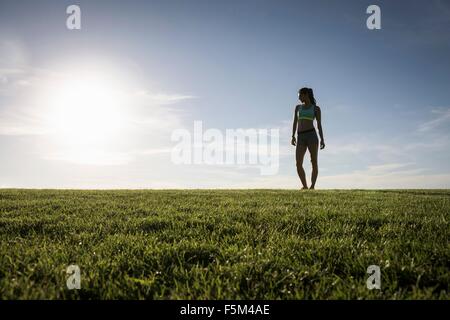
(306, 95)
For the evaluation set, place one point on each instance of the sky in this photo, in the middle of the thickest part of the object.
(98, 107)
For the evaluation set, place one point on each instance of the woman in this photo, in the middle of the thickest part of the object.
(306, 134)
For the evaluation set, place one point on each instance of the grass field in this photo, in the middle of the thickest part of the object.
(224, 244)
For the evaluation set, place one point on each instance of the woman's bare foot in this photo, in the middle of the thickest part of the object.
(304, 188)
(311, 188)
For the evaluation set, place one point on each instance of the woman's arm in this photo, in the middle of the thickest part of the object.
(319, 126)
(294, 126)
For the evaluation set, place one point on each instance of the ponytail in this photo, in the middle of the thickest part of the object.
(311, 96)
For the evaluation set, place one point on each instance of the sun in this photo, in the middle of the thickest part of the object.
(85, 113)
(85, 110)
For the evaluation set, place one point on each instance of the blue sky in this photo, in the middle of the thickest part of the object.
(231, 64)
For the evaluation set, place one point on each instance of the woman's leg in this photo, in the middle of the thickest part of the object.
(299, 155)
(313, 151)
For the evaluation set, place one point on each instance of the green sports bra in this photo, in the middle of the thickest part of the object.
(306, 113)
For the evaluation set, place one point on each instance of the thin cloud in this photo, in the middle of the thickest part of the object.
(153, 151)
(442, 117)
(94, 157)
(163, 98)
(361, 180)
(386, 168)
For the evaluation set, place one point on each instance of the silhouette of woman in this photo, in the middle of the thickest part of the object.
(306, 134)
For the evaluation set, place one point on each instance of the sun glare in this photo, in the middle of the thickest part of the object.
(85, 112)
